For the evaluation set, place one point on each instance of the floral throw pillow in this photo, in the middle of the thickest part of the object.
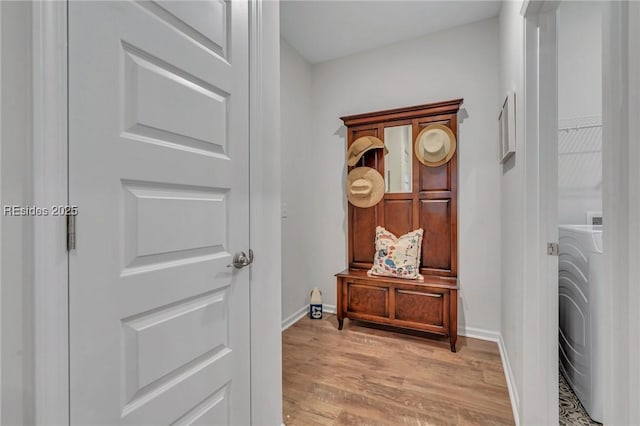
(397, 257)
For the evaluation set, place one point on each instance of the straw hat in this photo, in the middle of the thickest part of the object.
(365, 187)
(362, 145)
(435, 145)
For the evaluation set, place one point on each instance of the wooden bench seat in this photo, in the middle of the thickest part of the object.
(428, 305)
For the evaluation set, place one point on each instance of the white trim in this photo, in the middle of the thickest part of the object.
(1, 259)
(511, 380)
(633, 112)
(548, 205)
(264, 214)
(294, 317)
(475, 333)
(616, 398)
(329, 309)
(297, 315)
(50, 261)
(621, 209)
(540, 318)
(479, 333)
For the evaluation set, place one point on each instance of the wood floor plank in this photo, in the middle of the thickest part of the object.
(366, 375)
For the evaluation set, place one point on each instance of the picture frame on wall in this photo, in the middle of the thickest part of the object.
(507, 127)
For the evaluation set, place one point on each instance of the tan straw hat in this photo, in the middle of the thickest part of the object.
(365, 187)
(435, 145)
(362, 145)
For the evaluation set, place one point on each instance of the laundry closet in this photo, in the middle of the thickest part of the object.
(582, 287)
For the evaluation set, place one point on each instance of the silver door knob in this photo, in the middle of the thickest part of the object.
(240, 259)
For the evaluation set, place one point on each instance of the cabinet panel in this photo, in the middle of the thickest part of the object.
(435, 178)
(435, 219)
(429, 307)
(370, 300)
(398, 216)
(363, 234)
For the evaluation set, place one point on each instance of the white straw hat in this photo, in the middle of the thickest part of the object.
(435, 145)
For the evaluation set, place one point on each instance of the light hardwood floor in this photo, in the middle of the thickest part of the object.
(367, 375)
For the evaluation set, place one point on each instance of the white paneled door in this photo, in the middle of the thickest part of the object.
(158, 166)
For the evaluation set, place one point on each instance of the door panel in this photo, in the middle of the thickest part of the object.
(172, 105)
(158, 165)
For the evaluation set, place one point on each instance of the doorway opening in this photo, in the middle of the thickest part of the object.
(581, 278)
(331, 74)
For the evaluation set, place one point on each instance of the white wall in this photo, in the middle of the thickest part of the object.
(579, 103)
(457, 63)
(512, 196)
(297, 140)
(16, 369)
(579, 59)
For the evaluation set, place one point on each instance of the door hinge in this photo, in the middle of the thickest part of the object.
(553, 249)
(71, 232)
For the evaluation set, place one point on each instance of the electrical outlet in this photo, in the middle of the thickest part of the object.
(593, 218)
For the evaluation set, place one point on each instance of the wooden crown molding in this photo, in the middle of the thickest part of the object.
(437, 108)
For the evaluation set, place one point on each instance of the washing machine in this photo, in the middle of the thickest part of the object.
(581, 303)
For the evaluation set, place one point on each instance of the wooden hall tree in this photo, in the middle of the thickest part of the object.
(430, 203)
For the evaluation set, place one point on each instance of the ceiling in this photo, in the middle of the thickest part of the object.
(324, 30)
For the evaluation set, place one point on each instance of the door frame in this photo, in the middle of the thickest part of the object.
(621, 210)
(540, 187)
(50, 186)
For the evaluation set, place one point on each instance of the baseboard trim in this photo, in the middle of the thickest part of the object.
(295, 317)
(511, 382)
(329, 309)
(479, 333)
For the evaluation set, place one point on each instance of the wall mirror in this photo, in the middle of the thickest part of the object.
(397, 161)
